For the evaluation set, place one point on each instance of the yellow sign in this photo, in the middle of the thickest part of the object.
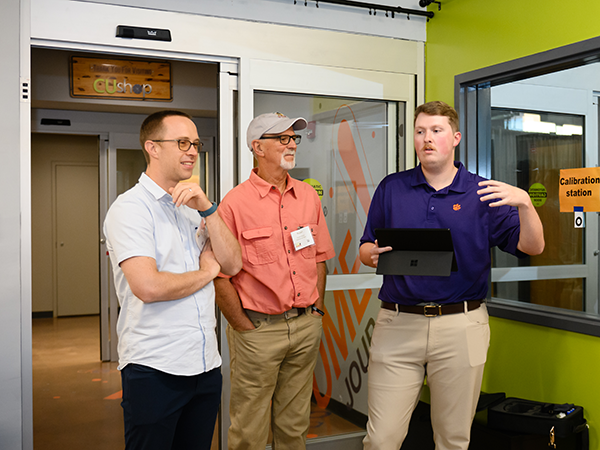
(120, 79)
(579, 187)
(316, 185)
(538, 194)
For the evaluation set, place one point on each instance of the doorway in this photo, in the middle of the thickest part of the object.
(64, 186)
(91, 142)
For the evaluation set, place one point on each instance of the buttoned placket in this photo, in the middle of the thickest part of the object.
(285, 221)
(185, 236)
(188, 239)
(432, 205)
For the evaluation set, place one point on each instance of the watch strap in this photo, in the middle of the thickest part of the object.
(317, 310)
(209, 211)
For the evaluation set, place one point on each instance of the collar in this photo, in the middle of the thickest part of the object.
(155, 190)
(459, 184)
(263, 187)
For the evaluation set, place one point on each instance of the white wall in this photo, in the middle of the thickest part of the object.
(326, 16)
(58, 22)
(15, 322)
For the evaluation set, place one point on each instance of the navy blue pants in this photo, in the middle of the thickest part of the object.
(169, 412)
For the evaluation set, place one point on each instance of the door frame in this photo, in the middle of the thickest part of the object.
(225, 172)
(299, 78)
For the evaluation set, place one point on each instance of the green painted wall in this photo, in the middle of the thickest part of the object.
(470, 34)
(524, 360)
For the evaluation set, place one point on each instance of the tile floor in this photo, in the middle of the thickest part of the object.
(76, 397)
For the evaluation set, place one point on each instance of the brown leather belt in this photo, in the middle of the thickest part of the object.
(433, 309)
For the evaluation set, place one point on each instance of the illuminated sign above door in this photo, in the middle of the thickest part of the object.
(120, 79)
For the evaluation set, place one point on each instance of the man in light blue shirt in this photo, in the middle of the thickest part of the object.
(167, 243)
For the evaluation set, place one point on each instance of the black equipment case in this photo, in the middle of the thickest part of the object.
(554, 421)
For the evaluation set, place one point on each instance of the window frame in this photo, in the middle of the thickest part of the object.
(472, 101)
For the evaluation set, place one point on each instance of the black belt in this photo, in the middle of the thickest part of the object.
(433, 309)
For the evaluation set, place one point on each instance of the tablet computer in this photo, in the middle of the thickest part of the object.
(416, 251)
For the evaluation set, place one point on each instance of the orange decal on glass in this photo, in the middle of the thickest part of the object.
(349, 154)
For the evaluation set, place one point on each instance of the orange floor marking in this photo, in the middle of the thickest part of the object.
(115, 396)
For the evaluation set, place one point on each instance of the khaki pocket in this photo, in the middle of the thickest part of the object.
(478, 341)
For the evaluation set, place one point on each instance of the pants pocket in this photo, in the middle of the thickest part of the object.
(478, 341)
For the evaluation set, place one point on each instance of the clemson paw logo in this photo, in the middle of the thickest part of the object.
(456, 207)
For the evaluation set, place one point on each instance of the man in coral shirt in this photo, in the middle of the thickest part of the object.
(274, 305)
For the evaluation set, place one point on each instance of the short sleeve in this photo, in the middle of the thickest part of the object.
(505, 230)
(129, 230)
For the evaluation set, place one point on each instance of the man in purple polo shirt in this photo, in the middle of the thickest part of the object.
(450, 343)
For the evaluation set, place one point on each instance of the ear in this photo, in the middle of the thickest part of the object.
(457, 138)
(151, 149)
(257, 148)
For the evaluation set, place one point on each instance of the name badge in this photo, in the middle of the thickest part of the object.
(302, 238)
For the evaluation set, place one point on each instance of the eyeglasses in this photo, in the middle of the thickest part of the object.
(183, 144)
(285, 138)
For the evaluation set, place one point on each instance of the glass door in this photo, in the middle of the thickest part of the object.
(344, 156)
(356, 136)
(123, 165)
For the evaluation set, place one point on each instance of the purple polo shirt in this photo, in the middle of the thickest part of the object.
(406, 200)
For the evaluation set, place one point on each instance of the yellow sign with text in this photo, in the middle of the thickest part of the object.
(120, 79)
(579, 187)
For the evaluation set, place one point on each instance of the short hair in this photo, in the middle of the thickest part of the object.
(152, 127)
(438, 108)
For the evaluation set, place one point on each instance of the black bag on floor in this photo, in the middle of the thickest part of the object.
(552, 420)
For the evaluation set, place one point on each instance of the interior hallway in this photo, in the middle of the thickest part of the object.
(77, 398)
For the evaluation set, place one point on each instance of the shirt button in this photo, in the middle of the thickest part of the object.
(294, 272)
(282, 206)
(432, 208)
(289, 251)
(298, 294)
(285, 228)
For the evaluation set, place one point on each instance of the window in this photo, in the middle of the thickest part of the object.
(522, 122)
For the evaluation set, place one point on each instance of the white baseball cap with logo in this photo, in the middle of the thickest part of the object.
(272, 123)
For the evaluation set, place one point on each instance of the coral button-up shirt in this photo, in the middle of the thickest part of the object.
(275, 277)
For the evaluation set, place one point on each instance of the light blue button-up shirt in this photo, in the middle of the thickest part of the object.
(178, 336)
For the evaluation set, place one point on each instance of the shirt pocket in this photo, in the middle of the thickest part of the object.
(310, 252)
(259, 245)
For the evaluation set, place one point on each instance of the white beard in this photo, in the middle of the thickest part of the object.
(287, 165)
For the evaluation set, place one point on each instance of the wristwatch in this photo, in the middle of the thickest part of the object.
(209, 211)
(317, 310)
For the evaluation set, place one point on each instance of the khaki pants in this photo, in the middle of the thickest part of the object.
(271, 381)
(453, 348)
